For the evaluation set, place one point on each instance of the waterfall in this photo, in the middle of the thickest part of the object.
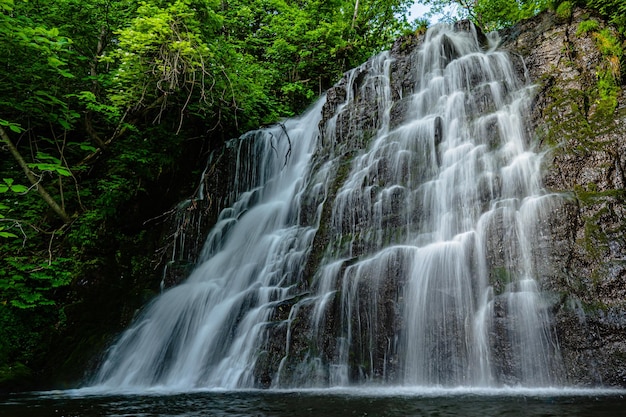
(396, 243)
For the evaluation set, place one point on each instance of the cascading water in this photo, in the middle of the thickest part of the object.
(362, 249)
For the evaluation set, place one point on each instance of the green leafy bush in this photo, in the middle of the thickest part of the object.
(564, 10)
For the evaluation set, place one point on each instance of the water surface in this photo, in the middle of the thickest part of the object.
(393, 401)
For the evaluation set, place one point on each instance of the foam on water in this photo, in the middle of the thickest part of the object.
(361, 391)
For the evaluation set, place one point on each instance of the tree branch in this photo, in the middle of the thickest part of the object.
(31, 177)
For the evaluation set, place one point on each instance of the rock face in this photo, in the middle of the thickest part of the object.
(581, 125)
(584, 133)
(586, 138)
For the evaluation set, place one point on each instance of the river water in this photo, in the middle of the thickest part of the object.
(390, 401)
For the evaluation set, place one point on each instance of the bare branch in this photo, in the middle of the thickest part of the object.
(31, 177)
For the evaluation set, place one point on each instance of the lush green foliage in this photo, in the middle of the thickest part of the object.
(100, 99)
(487, 14)
(497, 14)
(615, 10)
(301, 47)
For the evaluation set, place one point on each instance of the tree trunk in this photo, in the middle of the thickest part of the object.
(31, 177)
(356, 13)
(93, 70)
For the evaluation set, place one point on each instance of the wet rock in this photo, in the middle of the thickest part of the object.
(583, 272)
(582, 246)
(584, 165)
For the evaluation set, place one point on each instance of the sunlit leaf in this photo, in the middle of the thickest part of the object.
(18, 188)
(55, 62)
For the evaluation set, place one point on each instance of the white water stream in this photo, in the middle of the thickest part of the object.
(426, 274)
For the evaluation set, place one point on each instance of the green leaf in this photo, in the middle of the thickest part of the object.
(66, 74)
(45, 156)
(9, 185)
(55, 62)
(40, 275)
(64, 124)
(52, 168)
(6, 234)
(12, 126)
(89, 148)
(6, 5)
(19, 189)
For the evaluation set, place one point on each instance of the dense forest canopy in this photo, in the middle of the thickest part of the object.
(100, 99)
